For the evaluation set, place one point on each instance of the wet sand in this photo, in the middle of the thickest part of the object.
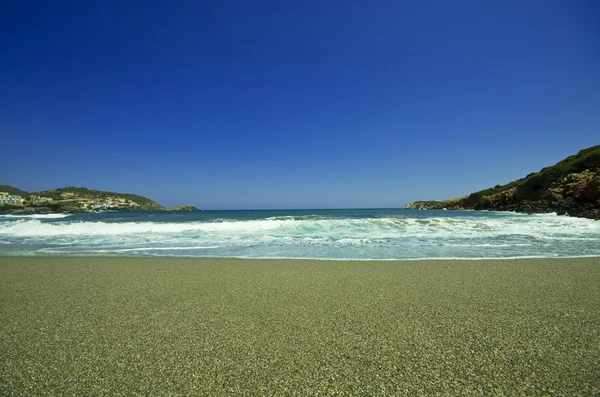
(160, 326)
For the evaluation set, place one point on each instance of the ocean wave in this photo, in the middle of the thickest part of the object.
(117, 250)
(35, 216)
(344, 228)
(36, 228)
(488, 245)
(311, 236)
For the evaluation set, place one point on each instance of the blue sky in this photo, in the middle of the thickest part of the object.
(312, 104)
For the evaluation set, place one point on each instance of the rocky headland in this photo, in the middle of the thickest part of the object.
(570, 187)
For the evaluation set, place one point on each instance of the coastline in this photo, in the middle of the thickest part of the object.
(527, 208)
(25, 211)
(156, 325)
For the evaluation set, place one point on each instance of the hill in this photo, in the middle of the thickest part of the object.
(570, 187)
(81, 199)
(77, 192)
(13, 190)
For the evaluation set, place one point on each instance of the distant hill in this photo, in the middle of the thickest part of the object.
(571, 187)
(13, 190)
(81, 199)
(85, 193)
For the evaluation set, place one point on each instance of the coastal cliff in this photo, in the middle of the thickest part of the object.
(570, 187)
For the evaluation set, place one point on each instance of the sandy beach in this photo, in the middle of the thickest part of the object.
(158, 326)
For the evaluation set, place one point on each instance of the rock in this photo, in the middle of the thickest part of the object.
(591, 192)
(183, 208)
(429, 205)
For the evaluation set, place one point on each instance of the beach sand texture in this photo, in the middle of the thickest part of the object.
(159, 326)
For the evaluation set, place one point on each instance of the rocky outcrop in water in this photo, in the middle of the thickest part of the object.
(183, 208)
(425, 205)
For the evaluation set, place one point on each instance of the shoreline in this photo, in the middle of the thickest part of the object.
(25, 211)
(593, 214)
(92, 255)
(196, 326)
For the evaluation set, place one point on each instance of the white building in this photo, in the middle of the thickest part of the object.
(15, 199)
(40, 200)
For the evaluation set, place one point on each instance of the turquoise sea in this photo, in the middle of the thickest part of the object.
(323, 234)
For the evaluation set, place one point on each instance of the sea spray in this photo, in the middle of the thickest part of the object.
(324, 234)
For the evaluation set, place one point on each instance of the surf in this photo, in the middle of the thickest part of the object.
(359, 234)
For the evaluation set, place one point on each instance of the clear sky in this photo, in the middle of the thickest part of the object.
(303, 104)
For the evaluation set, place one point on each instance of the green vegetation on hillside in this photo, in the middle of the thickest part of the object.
(496, 189)
(77, 199)
(571, 187)
(533, 185)
(536, 183)
(79, 191)
(13, 190)
(9, 207)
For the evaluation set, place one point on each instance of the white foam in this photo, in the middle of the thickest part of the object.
(487, 245)
(36, 228)
(313, 236)
(36, 216)
(337, 229)
(138, 249)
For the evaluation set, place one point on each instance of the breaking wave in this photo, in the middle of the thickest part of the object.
(367, 235)
(35, 216)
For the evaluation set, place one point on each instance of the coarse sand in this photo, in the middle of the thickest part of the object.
(175, 326)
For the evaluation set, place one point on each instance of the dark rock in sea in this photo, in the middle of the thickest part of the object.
(183, 208)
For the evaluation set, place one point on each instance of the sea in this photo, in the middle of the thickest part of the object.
(358, 234)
